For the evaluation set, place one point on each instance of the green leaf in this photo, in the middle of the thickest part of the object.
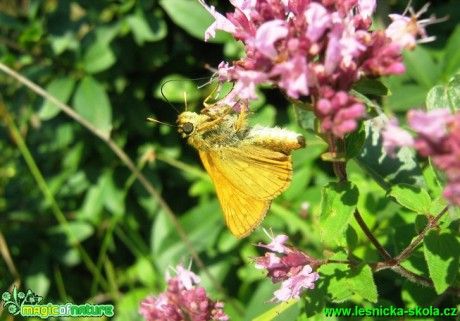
(97, 58)
(354, 142)
(61, 88)
(64, 41)
(421, 67)
(316, 298)
(405, 97)
(92, 103)
(144, 29)
(361, 282)
(193, 18)
(371, 87)
(80, 231)
(32, 33)
(338, 202)
(413, 198)
(334, 276)
(443, 96)
(452, 55)
(386, 170)
(442, 253)
(305, 118)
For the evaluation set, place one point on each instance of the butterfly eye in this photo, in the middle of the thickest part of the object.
(187, 128)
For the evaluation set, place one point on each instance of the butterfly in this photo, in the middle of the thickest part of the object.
(249, 166)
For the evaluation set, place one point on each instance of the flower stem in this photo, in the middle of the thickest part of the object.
(372, 238)
(432, 223)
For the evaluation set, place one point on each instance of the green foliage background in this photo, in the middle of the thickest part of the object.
(108, 60)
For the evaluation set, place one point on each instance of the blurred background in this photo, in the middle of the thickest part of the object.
(76, 226)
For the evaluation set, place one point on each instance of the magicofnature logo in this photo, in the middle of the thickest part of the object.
(28, 305)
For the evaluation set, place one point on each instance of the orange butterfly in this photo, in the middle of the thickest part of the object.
(249, 166)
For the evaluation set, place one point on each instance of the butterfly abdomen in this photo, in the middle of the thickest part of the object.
(278, 139)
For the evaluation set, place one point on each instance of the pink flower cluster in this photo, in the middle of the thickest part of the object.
(294, 269)
(315, 48)
(438, 137)
(182, 301)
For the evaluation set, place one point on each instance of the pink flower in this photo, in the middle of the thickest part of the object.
(339, 112)
(186, 277)
(293, 287)
(277, 243)
(294, 269)
(269, 261)
(293, 76)
(438, 137)
(266, 36)
(318, 20)
(245, 87)
(452, 192)
(221, 22)
(316, 49)
(431, 124)
(404, 30)
(182, 301)
(395, 137)
(366, 7)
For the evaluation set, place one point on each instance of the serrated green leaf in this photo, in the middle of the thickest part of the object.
(92, 103)
(338, 203)
(97, 58)
(361, 282)
(413, 198)
(442, 254)
(384, 169)
(193, 18)
(335, 276)
(61, 88)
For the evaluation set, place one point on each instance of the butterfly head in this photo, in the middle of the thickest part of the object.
(187, 123)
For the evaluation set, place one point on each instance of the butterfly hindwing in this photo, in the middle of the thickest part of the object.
(246, 181)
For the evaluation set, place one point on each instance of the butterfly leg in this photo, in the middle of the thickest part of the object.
(241, 121)
(205, 102)
(214, 121)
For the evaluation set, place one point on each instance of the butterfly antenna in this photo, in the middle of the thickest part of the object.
(193, 79)
(158, 122)
(185, 100)
(164, 97)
